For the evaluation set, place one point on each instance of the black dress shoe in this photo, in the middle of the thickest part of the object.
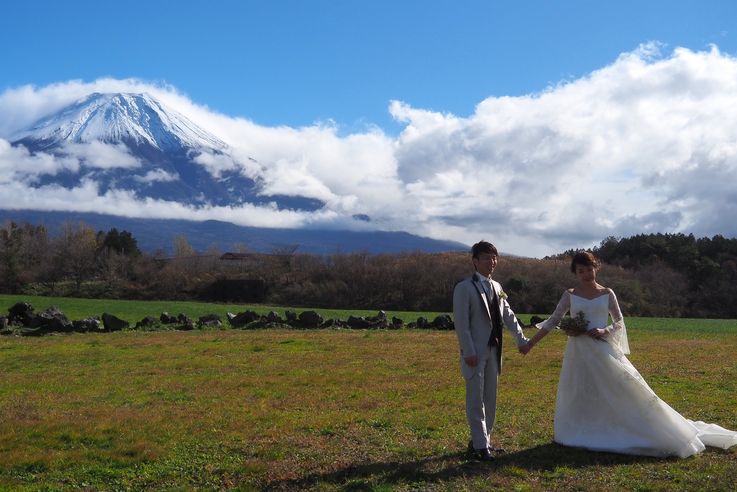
(497, 450)
(479, 454)
(483, 454)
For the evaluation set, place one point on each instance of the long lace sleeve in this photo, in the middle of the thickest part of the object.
(560, 310)
(617, 330)
(615, 313)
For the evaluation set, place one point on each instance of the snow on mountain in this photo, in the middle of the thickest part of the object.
(132, 142)
(133, 119)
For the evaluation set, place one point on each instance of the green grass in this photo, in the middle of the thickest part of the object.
(326, 410)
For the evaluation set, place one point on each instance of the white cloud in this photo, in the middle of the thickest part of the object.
(645, 144)
(18, 165)
(99, 155)
(157, 176)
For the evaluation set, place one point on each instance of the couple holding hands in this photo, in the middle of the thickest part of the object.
(602, 403)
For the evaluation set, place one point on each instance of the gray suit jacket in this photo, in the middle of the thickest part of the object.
(472, 319)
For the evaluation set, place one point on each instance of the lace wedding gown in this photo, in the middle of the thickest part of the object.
(604, 404)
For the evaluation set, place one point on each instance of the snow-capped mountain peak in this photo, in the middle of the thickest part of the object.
(133, 119)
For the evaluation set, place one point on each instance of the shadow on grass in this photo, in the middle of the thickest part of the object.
(449, 466)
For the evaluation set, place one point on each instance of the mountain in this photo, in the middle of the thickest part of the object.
(159, 234)
(152, 151)
(133, 142)
(137, 120)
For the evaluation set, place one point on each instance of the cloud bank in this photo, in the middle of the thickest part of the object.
(645, 144)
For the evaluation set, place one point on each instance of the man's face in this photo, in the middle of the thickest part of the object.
(485, 263)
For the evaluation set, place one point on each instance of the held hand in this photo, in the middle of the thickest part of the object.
(525, 349)
(471, 360)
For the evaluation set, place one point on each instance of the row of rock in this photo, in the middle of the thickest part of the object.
(312, 319)
(23, 320)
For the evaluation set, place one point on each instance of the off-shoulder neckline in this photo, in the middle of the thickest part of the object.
(589, 298)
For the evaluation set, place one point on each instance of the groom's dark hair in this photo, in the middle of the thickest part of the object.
(483, 247)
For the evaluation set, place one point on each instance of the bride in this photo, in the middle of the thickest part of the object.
(603, 403)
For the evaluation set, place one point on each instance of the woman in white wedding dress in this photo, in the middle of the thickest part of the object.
(603, 403)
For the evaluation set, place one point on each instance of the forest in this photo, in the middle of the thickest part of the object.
(666, 275)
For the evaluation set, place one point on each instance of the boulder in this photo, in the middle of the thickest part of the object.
(209, 321)
(113, 323)
(167, 319)
(147, 322)
(242, 319)
(397, 322)
(20, 313)
(51, 320)
(291, 317)
(310, 319)
(273, 317)
(358, 322)
(443, 322)
(86, 325)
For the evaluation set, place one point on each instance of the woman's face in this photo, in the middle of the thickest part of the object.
(586, 273)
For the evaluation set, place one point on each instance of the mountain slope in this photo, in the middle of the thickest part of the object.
(156, 234)
(132, 142)
(133, 119)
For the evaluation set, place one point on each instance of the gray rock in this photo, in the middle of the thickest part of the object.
(310, 319)
(19, 313)
(147, 322)
(443, 322)
(358, 322)
(113, 323)
(209, 321)
(86, 325)
(242, 319)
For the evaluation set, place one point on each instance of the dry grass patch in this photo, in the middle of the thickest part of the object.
(329, 410)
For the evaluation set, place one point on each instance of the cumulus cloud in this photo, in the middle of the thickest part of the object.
(644, 144)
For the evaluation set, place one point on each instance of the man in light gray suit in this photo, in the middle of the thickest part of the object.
(480, 308)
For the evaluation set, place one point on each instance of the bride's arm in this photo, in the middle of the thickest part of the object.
(615, 313)
(617, 332)
(544, 328)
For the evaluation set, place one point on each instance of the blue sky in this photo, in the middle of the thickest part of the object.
(539, 125)
(296, 62)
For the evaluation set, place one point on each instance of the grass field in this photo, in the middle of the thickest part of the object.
(325, 409)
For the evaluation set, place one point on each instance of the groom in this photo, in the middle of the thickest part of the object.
(479, 310)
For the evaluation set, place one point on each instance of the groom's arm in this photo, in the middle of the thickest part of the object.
(513, 325)
(462, 322)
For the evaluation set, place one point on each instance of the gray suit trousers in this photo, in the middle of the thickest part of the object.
(481, 399)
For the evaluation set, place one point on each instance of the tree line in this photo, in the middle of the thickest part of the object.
(672, 275)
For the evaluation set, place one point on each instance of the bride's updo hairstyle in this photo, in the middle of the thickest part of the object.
(585, 258)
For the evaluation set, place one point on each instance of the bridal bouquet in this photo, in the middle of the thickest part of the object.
(574, 325)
